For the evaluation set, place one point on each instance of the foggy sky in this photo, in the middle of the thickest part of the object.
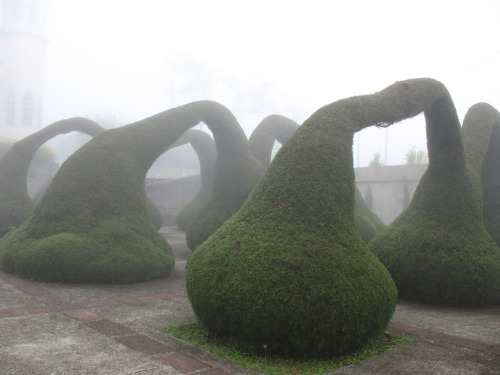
(134, 59)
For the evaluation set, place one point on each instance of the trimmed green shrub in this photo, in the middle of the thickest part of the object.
(438, 250)
(15, 203)
(96, 207)
(237, 171)
(204, 146)
(289, 270)
(270, 129)
(481, 135)
(278, 128)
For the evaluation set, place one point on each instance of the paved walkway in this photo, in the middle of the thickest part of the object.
(113, 330)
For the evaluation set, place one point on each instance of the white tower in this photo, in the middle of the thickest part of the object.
(23, 44)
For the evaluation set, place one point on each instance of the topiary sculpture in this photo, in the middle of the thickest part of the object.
(438, 250)
(481, 135)
(92, 224)
(279, 128)
(204, 146)
(270, 129)
(289, 270)
(15, 203)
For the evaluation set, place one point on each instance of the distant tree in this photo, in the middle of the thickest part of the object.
(376, 160)
(413, 157)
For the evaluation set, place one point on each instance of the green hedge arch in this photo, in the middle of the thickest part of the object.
(438, 250)
(481, 135)
(204, 146)
(15, 203)
(92, 224)
(289, 270)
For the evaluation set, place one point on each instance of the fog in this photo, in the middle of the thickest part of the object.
(132, 59)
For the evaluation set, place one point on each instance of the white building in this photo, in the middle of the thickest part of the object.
(23, 44)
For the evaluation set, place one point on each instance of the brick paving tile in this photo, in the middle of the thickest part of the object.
(180, 293)
(52, 308)
(495, 349)
(144, 344)
(51, 300)
(82, 315)
(7, 313)
(129, 300)
(156, 297)
(460, 341)
(109, 328)
(32, 290)
(99, 303)
(182, 362)
(408, 329)
(213, 371)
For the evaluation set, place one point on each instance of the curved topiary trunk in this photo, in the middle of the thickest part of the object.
(438, 250)
(92, 224)
(278, 128)
(270, 129)
(15, 203)
(289, 270)
(481, 134)
(204, 146)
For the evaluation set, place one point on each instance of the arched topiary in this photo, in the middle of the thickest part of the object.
(481, 135)
(204, 146)
(92, 224)
(270, 129)
(438, 250)
(289, 270)
(279, 128)
(15, 203)
(237, 172)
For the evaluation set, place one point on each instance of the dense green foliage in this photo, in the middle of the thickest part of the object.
(15, 203)
(204, 146)
(438, 250)
(367, 223)
(270, 129)
(289, 270)
(237, 171)
(481, 135)
(92, 224)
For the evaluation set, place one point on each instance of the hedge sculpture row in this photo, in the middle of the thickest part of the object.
(92, 224)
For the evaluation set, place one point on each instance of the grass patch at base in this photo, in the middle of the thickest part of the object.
(261, 362)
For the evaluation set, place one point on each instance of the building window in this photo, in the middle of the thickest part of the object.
(11, 109)
(27, 114)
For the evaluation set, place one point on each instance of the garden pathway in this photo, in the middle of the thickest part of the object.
(61, 329)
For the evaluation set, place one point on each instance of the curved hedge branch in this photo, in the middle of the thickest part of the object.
(481, 134)
(204, 146)
(438, 250)
(270, 129)
(15, 203)
(289, 269)
(92, 223)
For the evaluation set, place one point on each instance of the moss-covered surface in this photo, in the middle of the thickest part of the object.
(270, 129)
(367, 223)
(481, 135)
(204, 146)
(289, 270)
(15, 203)
(279, 128)
(92, 224)
(438, 250)
(237, 171)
